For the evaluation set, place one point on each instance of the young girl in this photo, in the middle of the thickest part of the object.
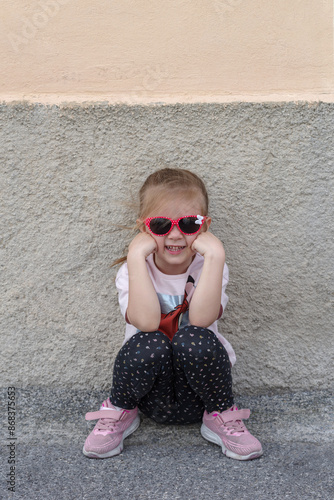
(174, 366)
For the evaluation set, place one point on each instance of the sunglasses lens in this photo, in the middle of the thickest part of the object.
(188, 226)
(160, 225)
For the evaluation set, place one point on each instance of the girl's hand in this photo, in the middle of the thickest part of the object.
(208, 245)
(143, 309)
(142, 245)
(205, 305)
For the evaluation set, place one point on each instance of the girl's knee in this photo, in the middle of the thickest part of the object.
(195, 341)
(194, 334)
(147, 348)
(142, 339)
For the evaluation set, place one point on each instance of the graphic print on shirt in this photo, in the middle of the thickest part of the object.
(172, 320)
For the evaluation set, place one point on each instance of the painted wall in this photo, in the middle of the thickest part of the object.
(138, 50)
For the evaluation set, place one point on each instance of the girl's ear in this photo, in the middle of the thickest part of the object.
(208, 223)
(141, 226)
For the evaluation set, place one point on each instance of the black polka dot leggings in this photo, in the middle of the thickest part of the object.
(173, 382)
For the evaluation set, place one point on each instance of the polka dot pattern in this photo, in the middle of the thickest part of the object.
(173, 381)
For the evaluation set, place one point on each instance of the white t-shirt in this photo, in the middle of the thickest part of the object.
(174, 293)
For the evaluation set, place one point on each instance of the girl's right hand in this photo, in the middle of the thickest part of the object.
(142, 245)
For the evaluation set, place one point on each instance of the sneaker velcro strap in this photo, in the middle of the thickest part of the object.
(229, 416)
(109, 413)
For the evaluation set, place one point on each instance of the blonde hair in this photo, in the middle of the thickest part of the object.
(159, 186)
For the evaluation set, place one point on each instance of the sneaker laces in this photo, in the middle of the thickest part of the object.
(106, 424)
(235, 426)
(232, 419)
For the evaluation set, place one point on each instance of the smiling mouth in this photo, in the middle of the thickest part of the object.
(173, 248)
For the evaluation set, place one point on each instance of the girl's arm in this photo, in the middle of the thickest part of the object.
(205, 304)
(143, 310)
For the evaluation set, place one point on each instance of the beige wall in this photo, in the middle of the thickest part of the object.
(170, 50)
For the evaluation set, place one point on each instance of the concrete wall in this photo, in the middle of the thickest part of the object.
(66, 173)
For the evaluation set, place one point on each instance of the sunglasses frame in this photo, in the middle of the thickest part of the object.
(200, 221)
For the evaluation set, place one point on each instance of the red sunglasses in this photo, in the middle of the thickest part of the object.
(188, 224)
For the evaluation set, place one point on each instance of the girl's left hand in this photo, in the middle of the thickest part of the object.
(207, 244)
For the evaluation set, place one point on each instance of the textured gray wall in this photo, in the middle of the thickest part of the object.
(66, 175)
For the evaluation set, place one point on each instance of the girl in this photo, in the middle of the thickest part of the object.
(174, 366)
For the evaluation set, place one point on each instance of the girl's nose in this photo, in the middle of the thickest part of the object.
(175, 232)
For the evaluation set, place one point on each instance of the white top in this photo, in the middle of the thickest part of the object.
(174, 293)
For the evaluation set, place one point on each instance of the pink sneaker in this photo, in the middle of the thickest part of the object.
(228, 430)
(106, 439)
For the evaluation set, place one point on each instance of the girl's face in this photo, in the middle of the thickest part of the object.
(174, 254)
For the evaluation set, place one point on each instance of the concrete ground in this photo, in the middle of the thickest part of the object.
(168, 462)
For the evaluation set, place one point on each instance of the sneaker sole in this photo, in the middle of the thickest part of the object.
(115, 451)
(211, 436)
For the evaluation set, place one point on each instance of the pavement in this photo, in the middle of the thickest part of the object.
(166, 462)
